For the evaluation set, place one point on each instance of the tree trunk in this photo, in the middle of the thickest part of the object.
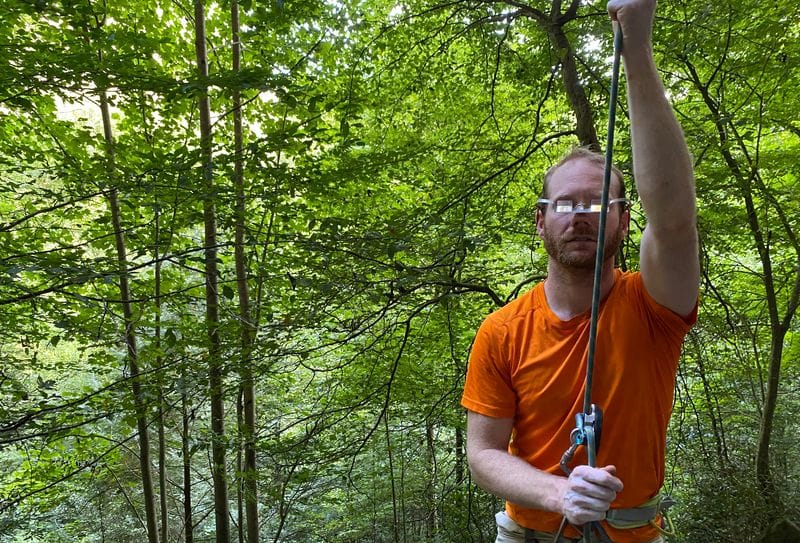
(746, 177)
(763, 472)
(554, 24)
(162, 438)
(240, 521)
(188, 520)
(713, 414)
(130, 334)
(432, 523)
(395, 517)
(162, 465)
(249, 473)
(215, 369)
(460, 460)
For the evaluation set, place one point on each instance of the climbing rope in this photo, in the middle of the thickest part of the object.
(601, 231)
(589, 409)
(589, 422)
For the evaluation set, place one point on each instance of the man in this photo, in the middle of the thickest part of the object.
(526, 375)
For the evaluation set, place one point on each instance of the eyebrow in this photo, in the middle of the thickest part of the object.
(576, 199)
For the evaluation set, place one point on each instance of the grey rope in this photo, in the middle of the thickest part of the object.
(601, 231)
(588, 408)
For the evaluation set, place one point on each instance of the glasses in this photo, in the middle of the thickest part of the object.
(568, 206)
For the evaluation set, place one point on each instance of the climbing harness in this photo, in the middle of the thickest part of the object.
(645, 514)
(589, 422)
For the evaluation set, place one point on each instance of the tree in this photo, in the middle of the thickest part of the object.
(374, 168)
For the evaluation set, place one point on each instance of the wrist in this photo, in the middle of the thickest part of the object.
(635, 55)
(555, 503)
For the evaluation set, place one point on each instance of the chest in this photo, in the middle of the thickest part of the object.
(548, 362)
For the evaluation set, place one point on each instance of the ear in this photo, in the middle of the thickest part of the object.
(625, 221)
(539, 220)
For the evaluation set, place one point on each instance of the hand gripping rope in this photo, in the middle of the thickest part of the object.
(589, 422)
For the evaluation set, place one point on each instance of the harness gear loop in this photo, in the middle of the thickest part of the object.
(665, 527)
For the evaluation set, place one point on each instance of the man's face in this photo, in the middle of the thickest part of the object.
(571, 238)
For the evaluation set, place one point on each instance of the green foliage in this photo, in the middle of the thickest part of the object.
(392, 155)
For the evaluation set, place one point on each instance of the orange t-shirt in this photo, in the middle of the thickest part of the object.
(529, 365)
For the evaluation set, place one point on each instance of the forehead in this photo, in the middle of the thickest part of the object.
(578, 177)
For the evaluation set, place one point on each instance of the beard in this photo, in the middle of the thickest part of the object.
(559, 250)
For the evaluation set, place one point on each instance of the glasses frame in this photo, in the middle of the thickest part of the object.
(581, 207)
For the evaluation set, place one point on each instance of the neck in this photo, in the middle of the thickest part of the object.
(569, 290)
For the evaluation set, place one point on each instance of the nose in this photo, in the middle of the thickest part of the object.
(584, 217)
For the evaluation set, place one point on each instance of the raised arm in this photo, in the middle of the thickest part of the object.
(662, 167)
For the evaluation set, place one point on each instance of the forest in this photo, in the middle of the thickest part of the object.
(245, 246)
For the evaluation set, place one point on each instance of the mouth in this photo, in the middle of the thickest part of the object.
(583, 239)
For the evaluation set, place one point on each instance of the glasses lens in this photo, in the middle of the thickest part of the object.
(568, 206)
(563, 206)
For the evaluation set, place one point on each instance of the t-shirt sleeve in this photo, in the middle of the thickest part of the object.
(668, 321)
(488, 389)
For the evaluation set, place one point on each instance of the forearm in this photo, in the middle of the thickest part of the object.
(513, 479)
(662, 164)
(662, 167)
(582, 497)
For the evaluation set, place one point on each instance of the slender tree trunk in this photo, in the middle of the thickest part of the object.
(240, 469)
(162, 466)
(188, 519)
(249, 471)
(162, 439)
(460, 460)
(395, 516)
(431, 524)
(101, 496)
(553, 25)
(130, 334)
(458, 373)
(215, 369)
(713, 413)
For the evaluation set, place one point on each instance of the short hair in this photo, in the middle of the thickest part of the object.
(583, 153)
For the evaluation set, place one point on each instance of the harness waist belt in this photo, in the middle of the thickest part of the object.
(636, 517)
(621, 519)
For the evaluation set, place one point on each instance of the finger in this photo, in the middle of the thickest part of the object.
(596, 493)
(580, 509)
(604, 477)
(595, 498)
(613, 9)
(612, 470)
